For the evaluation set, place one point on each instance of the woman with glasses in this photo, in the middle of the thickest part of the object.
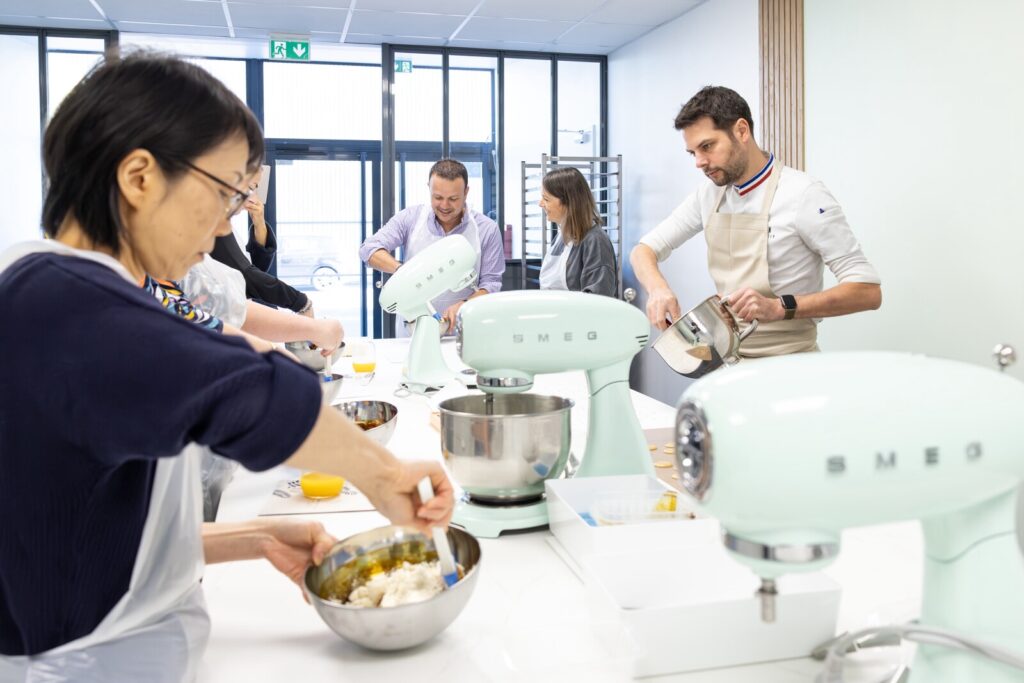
(107, 398)
(581, 257)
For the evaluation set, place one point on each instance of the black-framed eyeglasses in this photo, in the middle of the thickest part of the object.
(237, 197)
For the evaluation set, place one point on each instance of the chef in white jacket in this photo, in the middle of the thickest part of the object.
(770, 231)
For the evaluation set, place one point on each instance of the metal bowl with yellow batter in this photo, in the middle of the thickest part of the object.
(353, 560)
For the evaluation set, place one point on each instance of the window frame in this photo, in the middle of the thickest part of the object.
(388, 143)
(388, 149)
(110, 40)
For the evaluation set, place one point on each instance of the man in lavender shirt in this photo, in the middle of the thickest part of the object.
(416, 227)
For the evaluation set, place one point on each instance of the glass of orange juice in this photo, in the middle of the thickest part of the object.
(364, 362)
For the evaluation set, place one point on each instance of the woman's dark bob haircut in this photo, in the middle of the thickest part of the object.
(175, 110)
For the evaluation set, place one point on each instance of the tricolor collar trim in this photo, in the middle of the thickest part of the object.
(761, 176)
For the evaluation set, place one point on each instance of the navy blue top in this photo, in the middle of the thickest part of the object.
(97, 381)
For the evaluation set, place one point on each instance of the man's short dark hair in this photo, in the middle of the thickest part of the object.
(175, 110)
(722, 105)
(449, 169)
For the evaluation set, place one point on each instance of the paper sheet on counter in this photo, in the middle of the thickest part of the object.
(660, 438)
(287, 499)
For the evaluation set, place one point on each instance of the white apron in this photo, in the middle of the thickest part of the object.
(420, 238)
(158, 630)
(738, 258)
(553, 268)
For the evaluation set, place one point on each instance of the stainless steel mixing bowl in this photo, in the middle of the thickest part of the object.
(703, 339)
(390, 628)
(311, 358)
(366, 411)
(501, 447)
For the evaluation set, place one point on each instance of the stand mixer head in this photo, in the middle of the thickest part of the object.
(502, 446)
(447, 264)
(786, 452)
(511, 336)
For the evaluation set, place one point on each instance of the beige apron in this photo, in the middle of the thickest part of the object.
(738, 258)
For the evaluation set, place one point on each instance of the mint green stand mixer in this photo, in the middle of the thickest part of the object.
(507, 338)
(786, 452)
(447, 264)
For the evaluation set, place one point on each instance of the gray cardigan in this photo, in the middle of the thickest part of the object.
(592, 265)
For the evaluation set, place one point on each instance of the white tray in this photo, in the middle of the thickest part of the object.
(669, 593)
(571, 501)
(689, 609)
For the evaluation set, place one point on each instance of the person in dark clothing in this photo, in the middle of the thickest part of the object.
(101, 564)
(262, 247)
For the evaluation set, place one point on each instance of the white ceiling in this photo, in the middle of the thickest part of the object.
(587, 26)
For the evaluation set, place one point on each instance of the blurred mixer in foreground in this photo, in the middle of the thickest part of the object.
(788, 451)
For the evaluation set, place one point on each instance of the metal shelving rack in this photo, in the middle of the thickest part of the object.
(604, 174)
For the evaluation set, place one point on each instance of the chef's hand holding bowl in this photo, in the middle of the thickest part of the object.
(662, 307)
(750, 305)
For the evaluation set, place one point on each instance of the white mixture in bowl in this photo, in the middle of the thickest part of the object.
(400, 586)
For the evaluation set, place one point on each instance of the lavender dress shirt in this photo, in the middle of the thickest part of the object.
(396, 231)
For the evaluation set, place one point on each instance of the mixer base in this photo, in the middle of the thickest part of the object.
(490, 521)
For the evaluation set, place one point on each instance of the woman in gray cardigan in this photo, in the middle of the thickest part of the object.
(581, 258)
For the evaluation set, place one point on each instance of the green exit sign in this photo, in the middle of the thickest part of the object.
(289, 47)
(403, 66)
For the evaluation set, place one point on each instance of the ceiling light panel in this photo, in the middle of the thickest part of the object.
(547, 10)
(281, 19)
(174, 12)
(519, 30)
(96, 24)
(456, 7)
(174, 29)
(646, 13)
(374, 39)
(288, 4)
(574, 48)
(403, 24)
(50, 8)
(608, 35)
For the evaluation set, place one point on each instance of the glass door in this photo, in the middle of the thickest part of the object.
(323, 203)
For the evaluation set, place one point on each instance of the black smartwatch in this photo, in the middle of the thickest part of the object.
(789, 305)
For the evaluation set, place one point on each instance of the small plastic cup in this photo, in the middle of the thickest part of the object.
(319, 486)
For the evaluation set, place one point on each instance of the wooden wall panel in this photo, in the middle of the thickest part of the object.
(782, 80)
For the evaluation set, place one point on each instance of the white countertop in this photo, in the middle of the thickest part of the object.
(527, 619)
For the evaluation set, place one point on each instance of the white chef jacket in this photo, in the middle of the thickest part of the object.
(806, 231)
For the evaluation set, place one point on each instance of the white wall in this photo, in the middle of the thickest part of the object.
(914, 121)
(649, 79)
